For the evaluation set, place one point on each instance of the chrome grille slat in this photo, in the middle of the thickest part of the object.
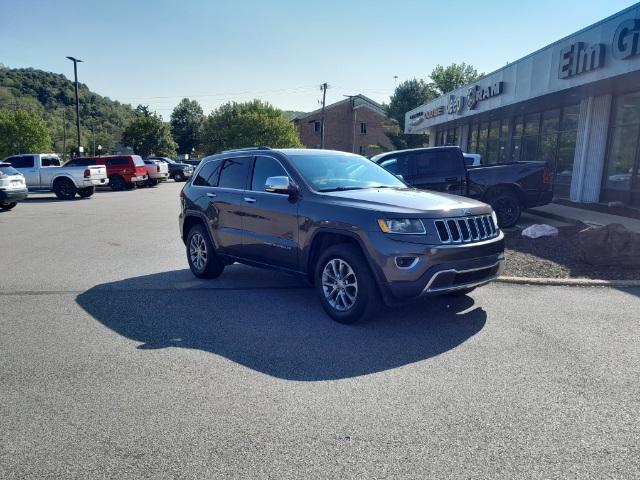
(465, 229)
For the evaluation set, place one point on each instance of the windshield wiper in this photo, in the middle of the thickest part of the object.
(340, 189)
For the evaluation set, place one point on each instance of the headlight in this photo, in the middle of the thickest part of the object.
(495, 218)
(401, 225)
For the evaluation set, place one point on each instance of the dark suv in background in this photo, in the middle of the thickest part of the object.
(178, 171)
(356, 231)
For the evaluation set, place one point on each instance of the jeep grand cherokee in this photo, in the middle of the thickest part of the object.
(357, 232)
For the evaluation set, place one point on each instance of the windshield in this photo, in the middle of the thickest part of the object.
(7, 169)
(342, 171)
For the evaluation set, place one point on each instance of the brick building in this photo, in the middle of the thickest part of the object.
(355, 124)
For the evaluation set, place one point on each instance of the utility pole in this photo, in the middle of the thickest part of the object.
(64, 135)
(75, 73)
(323, 87)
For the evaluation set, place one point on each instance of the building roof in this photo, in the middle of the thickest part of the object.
(359, 100)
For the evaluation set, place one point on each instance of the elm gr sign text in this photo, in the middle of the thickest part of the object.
(579, 57)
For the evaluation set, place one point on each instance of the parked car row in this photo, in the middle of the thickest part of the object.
(44, 172)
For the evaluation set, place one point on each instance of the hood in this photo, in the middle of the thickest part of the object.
(410, 201)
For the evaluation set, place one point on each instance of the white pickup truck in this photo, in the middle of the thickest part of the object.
(44, 172)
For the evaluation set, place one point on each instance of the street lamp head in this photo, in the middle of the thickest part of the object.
(74, 59)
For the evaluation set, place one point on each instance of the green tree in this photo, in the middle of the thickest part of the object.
(407, 96)
(248, 124)
(447, 79)
(149, 135)
(186, 125)
(21, 132)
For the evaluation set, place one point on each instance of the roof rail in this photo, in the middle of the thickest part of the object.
(247, 149)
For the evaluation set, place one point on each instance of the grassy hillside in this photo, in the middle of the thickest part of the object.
(51, 96)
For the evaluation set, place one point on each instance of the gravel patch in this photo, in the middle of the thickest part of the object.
(555, 257)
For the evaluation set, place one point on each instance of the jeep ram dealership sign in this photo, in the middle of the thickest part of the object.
(610, 48)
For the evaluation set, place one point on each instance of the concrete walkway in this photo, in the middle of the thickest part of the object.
(565, 213)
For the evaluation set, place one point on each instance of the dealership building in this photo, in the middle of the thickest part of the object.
(574, 104)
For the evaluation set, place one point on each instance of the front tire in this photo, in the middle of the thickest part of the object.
(201, 255)
(152, 182)
(64, 189)
(8, 206)
(507, 207)
(345, 284)
(179, 177)
(86, 192)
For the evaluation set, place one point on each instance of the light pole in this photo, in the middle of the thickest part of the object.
(75, 73)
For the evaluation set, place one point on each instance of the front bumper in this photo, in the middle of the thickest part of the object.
(10, 196)
(436, 269)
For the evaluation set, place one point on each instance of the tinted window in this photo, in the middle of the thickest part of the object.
(428, 163)
(117, 161)
(390, 165)
(80, 162)
(208, 174)
(264, 168)
(21, 162)
(234, 173)
(50, 162)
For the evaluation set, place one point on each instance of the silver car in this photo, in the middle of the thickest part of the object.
(13, 187)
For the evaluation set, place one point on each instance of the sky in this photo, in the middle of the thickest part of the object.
(157, 52)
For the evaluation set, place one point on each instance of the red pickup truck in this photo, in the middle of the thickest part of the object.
(123, 170)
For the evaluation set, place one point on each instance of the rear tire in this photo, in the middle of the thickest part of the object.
(507, 207)
(117, 183)
(201, 254)
(8, 206)
(86, 192)
(179, 177)
(152, 182)
(64, 189)
(345, 284)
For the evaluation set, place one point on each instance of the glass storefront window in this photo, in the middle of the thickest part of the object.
(473, 145)
(564, 164)
(530, 148)
(627, 109)
(532, 124)
(551, 121)
(504, 128)
(518, 126)
(503, 150)
(548, 147)
(570, 117)
(516, 144)
(622, 154)
(494, 129)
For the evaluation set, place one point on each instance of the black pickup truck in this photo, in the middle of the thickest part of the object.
(508, 187)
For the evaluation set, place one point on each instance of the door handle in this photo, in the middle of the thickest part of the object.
(451, 179)
(211, 195)
(249, 199)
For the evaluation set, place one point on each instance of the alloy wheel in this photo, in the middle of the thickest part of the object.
(339, 284)
(198, 251)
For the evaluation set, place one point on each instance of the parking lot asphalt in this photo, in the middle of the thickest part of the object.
(115, 362)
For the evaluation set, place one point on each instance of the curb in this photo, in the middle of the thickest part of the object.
(555, 216)
(568, 282)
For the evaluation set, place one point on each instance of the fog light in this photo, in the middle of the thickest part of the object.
(406, 262)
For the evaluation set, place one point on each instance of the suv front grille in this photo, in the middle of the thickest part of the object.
(466, 229)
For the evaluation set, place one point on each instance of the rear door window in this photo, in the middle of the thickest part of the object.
(234, 173)
(208, 174)
(435, 162)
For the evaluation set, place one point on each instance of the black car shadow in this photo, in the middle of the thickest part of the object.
(278, 329)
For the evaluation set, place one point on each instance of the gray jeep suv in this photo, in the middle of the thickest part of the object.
(355, 231)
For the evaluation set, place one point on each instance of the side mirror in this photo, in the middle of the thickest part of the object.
(280, 185)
